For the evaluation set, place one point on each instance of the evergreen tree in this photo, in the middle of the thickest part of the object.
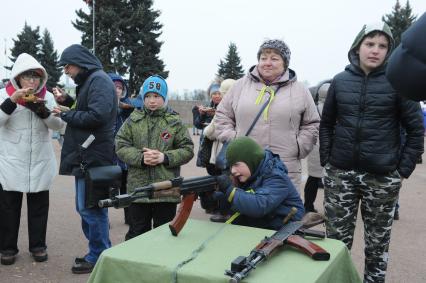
(141, 40)
(126, 38)
(28, 41)
(399, 20)
(49, 60)
(108, 38)
(231, 68)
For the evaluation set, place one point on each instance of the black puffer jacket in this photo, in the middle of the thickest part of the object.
(94, 113)
(360, 125)
(362, 118)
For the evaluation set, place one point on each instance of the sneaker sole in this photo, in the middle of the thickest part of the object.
(40, 258)
(7, 261)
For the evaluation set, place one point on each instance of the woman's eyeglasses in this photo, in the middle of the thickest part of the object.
(30, 76)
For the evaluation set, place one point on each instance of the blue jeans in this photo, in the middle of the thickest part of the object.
(94, 222)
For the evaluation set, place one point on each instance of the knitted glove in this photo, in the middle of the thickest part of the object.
(39, 109)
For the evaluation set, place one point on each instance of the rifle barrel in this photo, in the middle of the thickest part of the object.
(198, 184)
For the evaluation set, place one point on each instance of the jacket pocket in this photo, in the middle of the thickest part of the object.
(11, 136)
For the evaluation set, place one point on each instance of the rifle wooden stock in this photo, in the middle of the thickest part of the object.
(162, 185)
(189, 189)
(182, 213)
(266, 247)
(308, 247)
(241, 266)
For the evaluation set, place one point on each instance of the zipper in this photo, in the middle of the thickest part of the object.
(358, 130)
(31, 142)
(150, 168)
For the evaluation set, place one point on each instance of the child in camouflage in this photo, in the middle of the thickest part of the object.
(154, 143)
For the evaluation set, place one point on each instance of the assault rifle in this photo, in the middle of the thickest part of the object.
(189, 189)
(290, 234)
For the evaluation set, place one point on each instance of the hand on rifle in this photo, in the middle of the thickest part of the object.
(225, 186)
(224, 183)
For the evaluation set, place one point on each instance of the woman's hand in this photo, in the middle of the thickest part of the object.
(18, 94)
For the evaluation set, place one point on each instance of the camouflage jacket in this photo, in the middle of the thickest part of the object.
(161, 130)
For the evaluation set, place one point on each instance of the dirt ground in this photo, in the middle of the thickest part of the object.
(65, 239)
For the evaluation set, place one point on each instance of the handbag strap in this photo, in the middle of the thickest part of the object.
(260, 112)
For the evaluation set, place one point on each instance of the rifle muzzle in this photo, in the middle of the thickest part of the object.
(106, 203)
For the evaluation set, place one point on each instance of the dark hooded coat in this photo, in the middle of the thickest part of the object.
(406, 70)
(94, 112)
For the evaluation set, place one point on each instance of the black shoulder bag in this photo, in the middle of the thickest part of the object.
(101, 182)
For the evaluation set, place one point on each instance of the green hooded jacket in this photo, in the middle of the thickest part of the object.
(161, 130)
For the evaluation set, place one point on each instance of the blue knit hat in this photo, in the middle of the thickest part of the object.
(154, 84)
(214, 88)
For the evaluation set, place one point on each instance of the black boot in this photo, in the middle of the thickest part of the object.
(396, 215)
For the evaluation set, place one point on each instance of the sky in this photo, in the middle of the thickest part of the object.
(197, 33)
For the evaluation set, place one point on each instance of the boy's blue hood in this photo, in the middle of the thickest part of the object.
(114, 77)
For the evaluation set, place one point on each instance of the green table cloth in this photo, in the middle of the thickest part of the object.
(155, 256)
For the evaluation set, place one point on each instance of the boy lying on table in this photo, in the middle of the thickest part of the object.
(260, 190)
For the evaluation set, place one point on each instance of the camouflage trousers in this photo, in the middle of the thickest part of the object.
(376, 195)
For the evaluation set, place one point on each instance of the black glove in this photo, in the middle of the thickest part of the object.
(208, 202)
(224, 183)
(39, 109)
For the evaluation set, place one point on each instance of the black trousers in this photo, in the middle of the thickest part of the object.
(10, 218)
(123, 190)
(311, 190)
(146, 216)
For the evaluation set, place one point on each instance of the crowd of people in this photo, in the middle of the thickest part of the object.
(260, 130)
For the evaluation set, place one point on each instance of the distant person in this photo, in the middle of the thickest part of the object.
(406, 70)
(154, 143)
(208, 111)
(261, 190)
(315, 170)
(93, 112)
(195, 114)
(27, 160)
(289, 122)
(209, 130)
(203, 119)
(360, 148)
(125, 108)
(209, 133)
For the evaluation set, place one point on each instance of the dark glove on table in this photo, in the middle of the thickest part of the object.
(39, 109)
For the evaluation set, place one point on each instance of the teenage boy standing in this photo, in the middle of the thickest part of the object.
(361, 151)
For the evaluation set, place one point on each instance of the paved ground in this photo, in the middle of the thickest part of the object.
(65, 240)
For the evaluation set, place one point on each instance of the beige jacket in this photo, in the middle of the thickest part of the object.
(290, 128)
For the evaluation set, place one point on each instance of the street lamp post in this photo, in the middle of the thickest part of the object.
(93, 28)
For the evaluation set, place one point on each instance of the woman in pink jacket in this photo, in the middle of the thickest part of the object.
(289, 123)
